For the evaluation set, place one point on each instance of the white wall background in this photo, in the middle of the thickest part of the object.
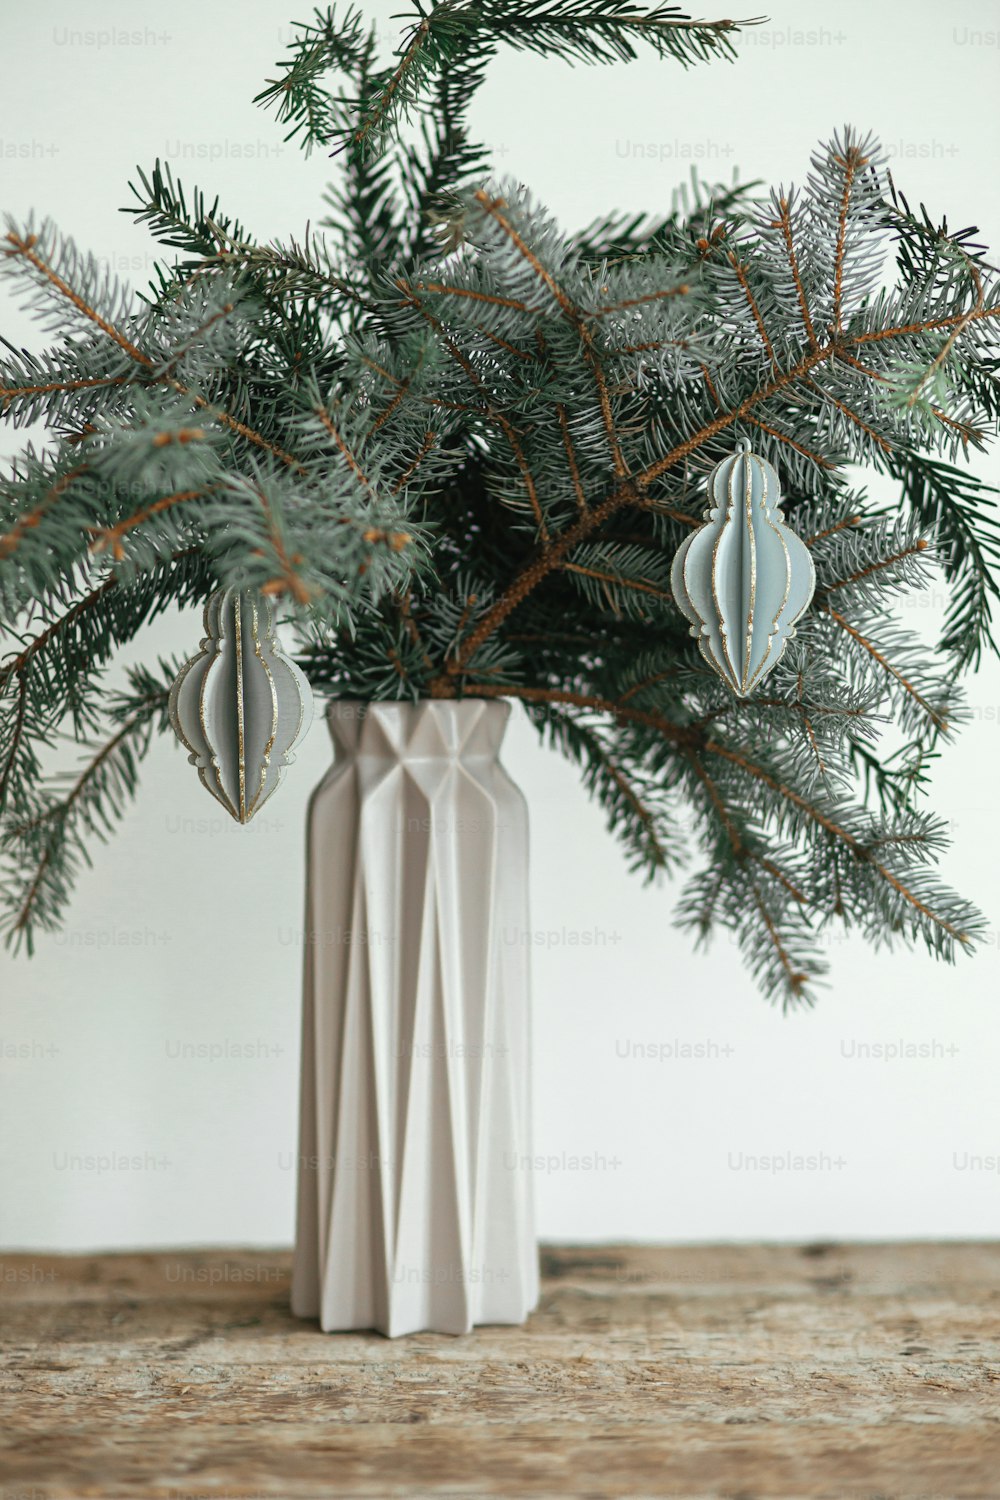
(185, 931)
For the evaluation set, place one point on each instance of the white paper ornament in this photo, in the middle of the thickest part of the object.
(241, 706)
(744, 578)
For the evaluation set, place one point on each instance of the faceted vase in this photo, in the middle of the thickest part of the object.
(414, 1188)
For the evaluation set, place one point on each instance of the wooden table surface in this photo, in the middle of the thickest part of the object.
(739, 1372)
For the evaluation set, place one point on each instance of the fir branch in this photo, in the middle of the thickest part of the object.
(959, 508)
(539, 568)
(829, 825)
(852, 161)
(784, 224)
(200, 231)
(324, 45)
(44, 849)
(935, 717)
(25, 248)
(464, 446)
(442, 37)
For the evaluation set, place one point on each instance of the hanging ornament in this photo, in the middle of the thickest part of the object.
(241, 706)
(744, 578)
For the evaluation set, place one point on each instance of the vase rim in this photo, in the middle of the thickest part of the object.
(357, 708)
(429, 728)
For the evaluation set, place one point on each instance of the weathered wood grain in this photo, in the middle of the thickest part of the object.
(739, 1372)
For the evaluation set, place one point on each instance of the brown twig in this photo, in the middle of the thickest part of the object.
(831, 827)
(852, 416)
(352, 462)
(111, 536)
(741, 277)
(663, 294)
(410, 625)
(430, 439)
(625, 583)
(818, 536)
(687, 738)
(25, 248)
(9, 541)
(627, 493)
(9, 393)
(715, 797)
(949, 342)
(876, 567)
(874, 652)
(375, 114)
(441, 289)
(20, 662)
(851, 163)
(965, 430)
(784, 223)
(494, 207)
(933, 325)
(289, 582)
(505, 425)
(817, 458)
(581, 498)
(782, 879)
(796, 979)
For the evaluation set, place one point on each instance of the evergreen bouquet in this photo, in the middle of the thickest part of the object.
(459, 448)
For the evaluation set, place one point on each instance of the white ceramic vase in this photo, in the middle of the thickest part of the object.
(414, 1182)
